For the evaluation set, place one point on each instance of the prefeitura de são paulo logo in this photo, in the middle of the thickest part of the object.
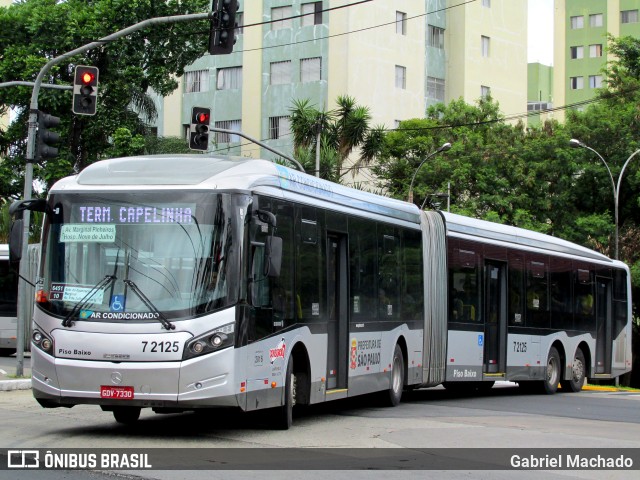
(278, 352)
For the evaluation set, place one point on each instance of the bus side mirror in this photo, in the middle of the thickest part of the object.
(272, 256)
(17, 225)
(15, 241)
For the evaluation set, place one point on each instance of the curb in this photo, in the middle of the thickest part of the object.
(598, 388)
(9, 385)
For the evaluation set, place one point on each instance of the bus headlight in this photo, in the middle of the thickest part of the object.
(41, 341)
(213, 341)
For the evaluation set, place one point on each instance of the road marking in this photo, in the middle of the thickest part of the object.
(3, 372)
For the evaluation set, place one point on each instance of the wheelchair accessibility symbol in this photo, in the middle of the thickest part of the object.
(117, 303)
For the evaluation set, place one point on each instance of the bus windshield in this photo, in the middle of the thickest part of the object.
(127, 256)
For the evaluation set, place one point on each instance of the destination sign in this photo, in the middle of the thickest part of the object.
(134, 214)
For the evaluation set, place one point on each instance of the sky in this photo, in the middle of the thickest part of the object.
(540, 32)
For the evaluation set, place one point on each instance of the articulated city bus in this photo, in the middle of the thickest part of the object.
(187, 282)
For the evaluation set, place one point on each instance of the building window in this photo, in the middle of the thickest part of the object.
(312, 14)
(539, 106)
(629, 16)
(435, 37)
(279, 127)
(281, 72)
(310, 69)
(577, 52)
(485, 41)
(196, 81)
(401, 77)
(595, 50)
(486, 3)
(235, 125)
(401, 23)
(576, 83)
(239, 23)
(595, 20)
(229, 78)
(435, 88)
(281, 18)
(595, 81)
(485, 91)
(577, 22)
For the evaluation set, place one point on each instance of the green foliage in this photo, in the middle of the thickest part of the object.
(165, 145)
(124, 144)
(342, 131)
(33, 31)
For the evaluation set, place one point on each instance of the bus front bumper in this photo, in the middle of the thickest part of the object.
(205, 381)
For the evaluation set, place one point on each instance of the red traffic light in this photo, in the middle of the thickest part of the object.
(85, 90)
(202, 117)
(87, 78)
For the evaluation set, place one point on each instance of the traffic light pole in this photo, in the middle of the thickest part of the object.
(258, 142)
(31, 150)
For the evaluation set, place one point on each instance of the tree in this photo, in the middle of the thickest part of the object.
(33, 31)
(343, 130)
(497, 171)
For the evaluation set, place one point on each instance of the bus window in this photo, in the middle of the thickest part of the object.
(584, 300)
(537, 294)
(516, 290)
(413, 294)
(560, 294)
(619, 303)
(363, 278)
(464, 289)
(309, 302)
(389, 281)
(282, 298)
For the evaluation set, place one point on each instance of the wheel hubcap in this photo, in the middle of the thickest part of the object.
(396, 374)
(578, 370)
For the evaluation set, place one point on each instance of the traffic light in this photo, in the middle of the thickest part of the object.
(47, 138)
(222, 36)
(85, 90)
(199, 131)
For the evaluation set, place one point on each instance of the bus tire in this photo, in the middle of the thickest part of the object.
(126, 415)
(284, 415)
(578, 372)
(394, 394)
(552, 373)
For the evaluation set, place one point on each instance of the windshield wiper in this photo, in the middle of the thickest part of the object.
(165, 323)
(101, 285)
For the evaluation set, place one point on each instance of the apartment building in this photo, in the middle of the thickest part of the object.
(394, 56)
(539, 93)
(580, 51)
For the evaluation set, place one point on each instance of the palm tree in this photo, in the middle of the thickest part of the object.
(342, 131)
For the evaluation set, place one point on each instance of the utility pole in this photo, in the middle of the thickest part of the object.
(319, 123)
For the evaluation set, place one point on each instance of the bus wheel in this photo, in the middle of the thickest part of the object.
(126, 415)
(578, 371)
(552, 376)
(397, 377)
(284, 417)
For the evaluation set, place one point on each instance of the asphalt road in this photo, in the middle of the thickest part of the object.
(433, 418)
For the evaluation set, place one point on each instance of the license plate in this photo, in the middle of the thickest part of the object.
(116, 393)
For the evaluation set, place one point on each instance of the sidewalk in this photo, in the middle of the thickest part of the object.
(8, 380)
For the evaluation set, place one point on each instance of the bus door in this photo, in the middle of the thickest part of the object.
(604, 316)
(338, 314)
(495, 331)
